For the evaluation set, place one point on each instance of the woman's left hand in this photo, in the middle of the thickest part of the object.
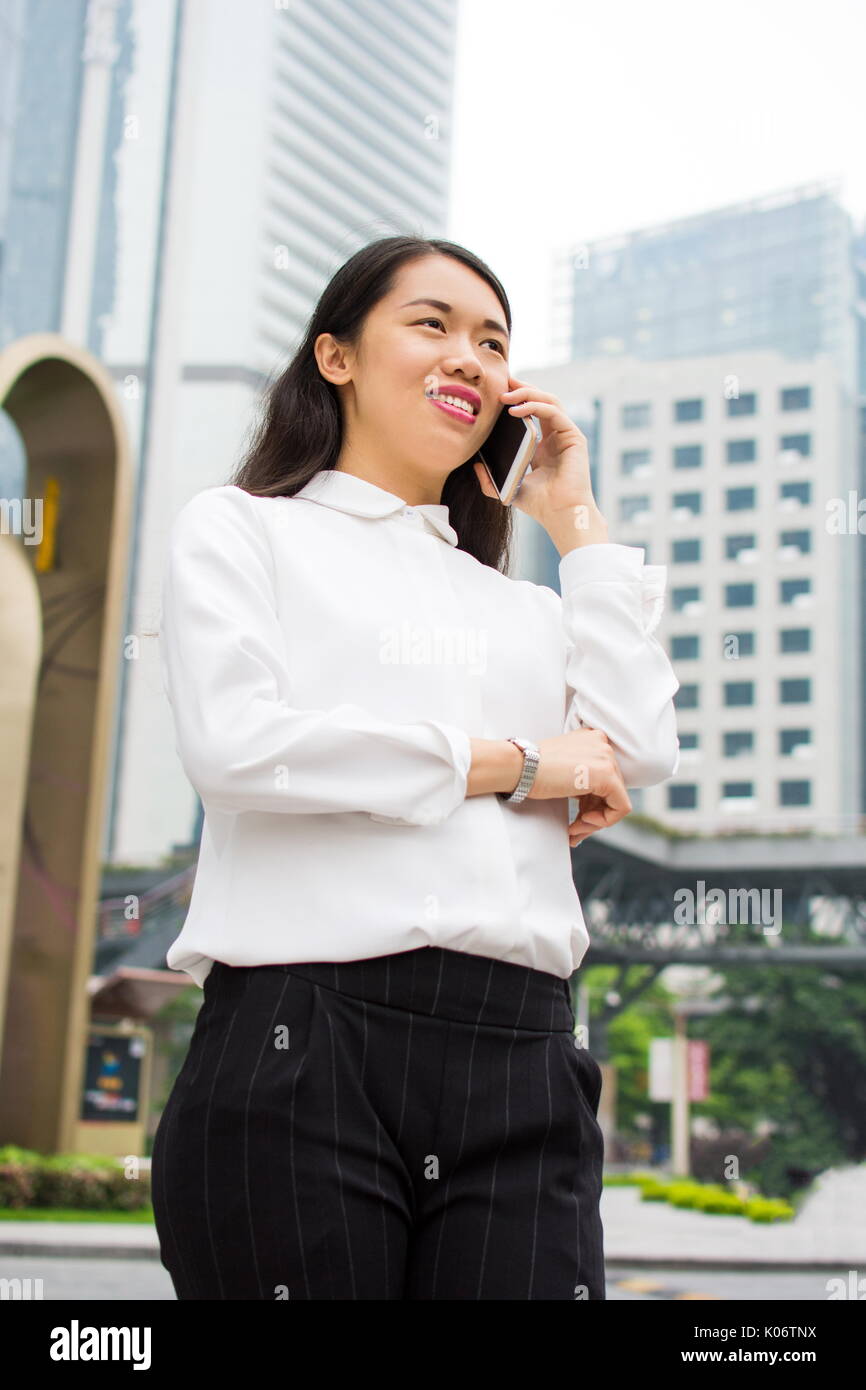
(557, 490)
(593, 814)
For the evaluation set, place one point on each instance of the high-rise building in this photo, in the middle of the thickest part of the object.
(185, 179)
(738, 473)
(717, 367)
(779, 271)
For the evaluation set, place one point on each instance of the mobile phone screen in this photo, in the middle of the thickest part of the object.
(502, 445)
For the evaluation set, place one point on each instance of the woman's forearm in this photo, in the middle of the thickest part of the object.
(496, 766)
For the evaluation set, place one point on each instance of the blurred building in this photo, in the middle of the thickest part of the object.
(782, 271)
(733, 493)
(717, 366)
(180, 181)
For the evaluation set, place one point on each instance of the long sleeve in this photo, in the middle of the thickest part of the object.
(223, 661)
(618, 675)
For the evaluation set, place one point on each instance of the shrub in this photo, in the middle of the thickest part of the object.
(654, 1190)
(768, 1209)
(627, 1179)
(684, 1194)
(715, 1201)
(92, 1182)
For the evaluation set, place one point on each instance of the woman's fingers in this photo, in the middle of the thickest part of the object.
(615, 798)
(597, 812)
(618, 799)
(525, 389)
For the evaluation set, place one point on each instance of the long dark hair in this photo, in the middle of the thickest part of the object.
(300, 429)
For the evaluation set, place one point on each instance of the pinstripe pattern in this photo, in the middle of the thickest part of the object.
(429, 1133)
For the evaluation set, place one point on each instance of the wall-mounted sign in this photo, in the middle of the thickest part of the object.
(112, 1076)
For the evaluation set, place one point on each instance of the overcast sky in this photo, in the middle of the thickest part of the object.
(574, 121)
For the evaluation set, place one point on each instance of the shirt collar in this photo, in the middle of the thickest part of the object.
(348, 493)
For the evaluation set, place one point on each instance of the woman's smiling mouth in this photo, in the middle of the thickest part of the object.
(462, 412)
(459, 401)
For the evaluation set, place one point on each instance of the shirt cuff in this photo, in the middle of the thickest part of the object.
(606, 562)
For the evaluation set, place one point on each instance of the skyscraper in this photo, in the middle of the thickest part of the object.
(716, 365)
(196, 173)
(779, 271)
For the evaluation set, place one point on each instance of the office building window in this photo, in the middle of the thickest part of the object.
(686, 697)
(687, 502)
(688, 740)
(633, 459)
(796, 444)
(737, 644)
(686, 552)
(795, 639)
(740, 499)
(686, 647)
(682, 797)
(795, 691)
(795, 398)
(688, 410)
(737, 743)
(739, 595)
(797, 540)
(688, 455)
(636, 416)
(681, 597)
(792, 589)
(734, 544)
(738, 791)
(795, 793)
(746, 404)
(789, 739)
(800, 491)
(630, 507)
(741, 451)
(739, 692)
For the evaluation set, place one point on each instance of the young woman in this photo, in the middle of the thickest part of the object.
(383, 1097)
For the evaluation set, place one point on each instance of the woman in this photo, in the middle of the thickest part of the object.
(382, 1097)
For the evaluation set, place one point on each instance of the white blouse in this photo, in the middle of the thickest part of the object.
(327, 658)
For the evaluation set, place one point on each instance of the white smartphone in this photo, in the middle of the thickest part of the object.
(508, 451)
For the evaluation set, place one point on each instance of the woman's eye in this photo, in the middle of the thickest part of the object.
(495, 343)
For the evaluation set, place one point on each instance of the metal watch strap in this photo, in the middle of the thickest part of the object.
(531, 759)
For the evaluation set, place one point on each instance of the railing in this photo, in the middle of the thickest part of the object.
(129, 914)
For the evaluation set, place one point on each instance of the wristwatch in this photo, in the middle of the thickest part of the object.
(531, 759)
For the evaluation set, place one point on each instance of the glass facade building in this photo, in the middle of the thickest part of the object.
(779, 272)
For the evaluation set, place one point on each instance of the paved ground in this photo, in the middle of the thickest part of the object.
(653, 1251)
(829, 1230)
(145, 1281)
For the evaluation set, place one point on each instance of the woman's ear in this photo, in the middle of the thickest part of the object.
(331, 360)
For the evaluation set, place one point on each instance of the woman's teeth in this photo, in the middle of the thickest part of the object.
(454, 400)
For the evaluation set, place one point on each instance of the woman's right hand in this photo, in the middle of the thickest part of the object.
(582, 764)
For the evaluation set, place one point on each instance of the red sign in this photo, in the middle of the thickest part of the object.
(699, 1070)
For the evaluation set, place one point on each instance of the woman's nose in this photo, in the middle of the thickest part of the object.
(467, 361)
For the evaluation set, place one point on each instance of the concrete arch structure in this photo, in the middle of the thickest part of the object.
(63, 560)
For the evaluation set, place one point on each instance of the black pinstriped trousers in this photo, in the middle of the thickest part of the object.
(412, 1126)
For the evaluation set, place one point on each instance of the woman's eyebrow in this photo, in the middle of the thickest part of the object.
(446, 309)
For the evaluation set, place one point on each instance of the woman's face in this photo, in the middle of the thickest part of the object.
(408, 349)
